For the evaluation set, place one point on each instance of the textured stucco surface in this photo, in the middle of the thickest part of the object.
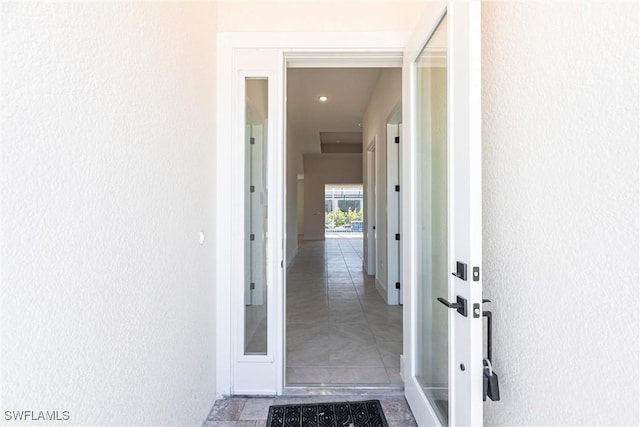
(318, 15)
(106, 181)
(560, 178)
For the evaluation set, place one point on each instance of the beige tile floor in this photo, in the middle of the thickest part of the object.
(253, 412)
(339, 329)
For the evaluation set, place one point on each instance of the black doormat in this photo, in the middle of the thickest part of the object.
(340, 414)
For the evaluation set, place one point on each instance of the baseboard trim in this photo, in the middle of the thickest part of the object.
(312, 237)
(382, 290)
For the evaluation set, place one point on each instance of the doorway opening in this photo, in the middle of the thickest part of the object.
(343, 211)
(272, 56)
(341, 330)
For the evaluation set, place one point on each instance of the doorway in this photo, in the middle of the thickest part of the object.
(340, 331)
(267, 56)
(343, 211)
(239, 372)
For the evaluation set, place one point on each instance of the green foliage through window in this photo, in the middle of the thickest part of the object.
(339, 218)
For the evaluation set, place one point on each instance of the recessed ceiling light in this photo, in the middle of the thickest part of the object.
(323, 98)
(338, 141)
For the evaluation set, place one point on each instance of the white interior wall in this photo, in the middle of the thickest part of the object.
(385, 100)
(319, 170)
(108, 124)
(560, 159)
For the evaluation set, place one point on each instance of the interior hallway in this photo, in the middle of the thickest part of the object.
(339, 329)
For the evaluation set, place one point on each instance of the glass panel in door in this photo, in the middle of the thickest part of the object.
(255, 286)
(432, 361)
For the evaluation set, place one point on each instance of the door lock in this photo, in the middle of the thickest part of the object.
(460, 305)
(461, 271)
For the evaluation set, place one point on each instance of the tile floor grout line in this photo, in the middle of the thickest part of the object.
(344, 248)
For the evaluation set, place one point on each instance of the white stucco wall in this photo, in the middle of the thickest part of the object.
(108, 124)
(106, 179)
(560, 179)
(318, 15)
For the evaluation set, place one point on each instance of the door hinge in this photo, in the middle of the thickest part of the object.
(398, 236)
(397, 188)
(397, 140)
(397, 285)
(252, 237)
(252, 188)
(252, 286)
(252, 140)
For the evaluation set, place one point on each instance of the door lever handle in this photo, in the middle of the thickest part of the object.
(455, 305)
(460, 305)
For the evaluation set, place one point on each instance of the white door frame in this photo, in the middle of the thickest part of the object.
(394, 265)
(237, 53)
(248, 374)
(370, 213)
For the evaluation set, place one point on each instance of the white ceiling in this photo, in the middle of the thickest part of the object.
(349, 91)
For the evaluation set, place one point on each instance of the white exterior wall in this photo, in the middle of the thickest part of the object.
(106, 179)
(318, 15)
(560, 159)
(106, 296)
(385, 100)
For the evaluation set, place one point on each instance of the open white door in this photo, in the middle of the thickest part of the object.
(442, 217)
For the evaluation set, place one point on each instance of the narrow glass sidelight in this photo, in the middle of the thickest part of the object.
(433, 275)
(255, 217)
